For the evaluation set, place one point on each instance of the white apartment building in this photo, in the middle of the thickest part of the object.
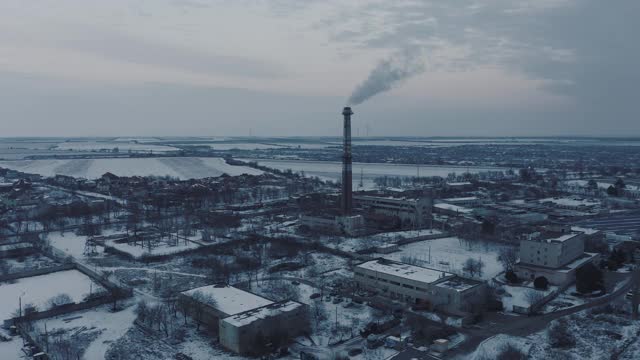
(441, 291)
(554, 258)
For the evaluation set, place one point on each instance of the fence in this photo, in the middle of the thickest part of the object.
(59, 310)
(36, 272)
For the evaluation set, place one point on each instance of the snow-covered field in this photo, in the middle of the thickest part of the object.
(37, 290)
(329, 170)
(69, 243)
(12, 349)
(110, 146)
(449, 254)
(179, 167)
(103, 325)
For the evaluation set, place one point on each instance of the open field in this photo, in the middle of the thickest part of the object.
(179, 167)
(109, 146)
(329, 170)
(92, 330)
(449, 254)
(37, 290)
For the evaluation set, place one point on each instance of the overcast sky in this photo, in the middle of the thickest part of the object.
(287, 67)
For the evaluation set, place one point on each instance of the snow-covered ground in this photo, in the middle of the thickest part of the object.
(160, 248)
(107, 325)
(329, 170)
(520, 296)
(178, 167)
(449, 254)
(597, 334)
(70, 243)
(11, 350)
(37, 290)
(122, 147)
(490, 348)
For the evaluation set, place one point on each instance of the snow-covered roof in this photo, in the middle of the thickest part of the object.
(264, 312)
(563, 238)
(571, 202)
(403, 270)
(451, 207)
(461, 199)
(228, 299)
(588, 231)
(458, 284)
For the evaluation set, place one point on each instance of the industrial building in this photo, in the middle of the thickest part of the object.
(554, 256)
(242, 317)
(278, 321)
(435, 289)
(412, 213)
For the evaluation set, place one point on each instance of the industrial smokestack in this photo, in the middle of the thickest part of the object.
(346, 163)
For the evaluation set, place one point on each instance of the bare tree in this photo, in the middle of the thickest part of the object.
(473, 267)
(508, 256)
(534, 297)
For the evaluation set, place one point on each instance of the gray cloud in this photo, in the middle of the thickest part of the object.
(584, 49)
(389, 73)
(123, 47)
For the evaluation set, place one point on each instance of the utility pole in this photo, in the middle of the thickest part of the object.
(635, 288)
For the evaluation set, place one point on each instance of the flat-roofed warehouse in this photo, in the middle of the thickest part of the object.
(440, 291)
(244, 319)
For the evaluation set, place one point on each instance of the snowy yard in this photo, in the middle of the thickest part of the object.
(449, 254)
(70, 243)
(141, 249)
(98, 328)
(37, 290)
(521, 296)
(11, 350)
(30, 262)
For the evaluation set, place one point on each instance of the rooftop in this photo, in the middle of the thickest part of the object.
(403, 270)
(459, 284)
(265, 312)
(451, 207)
(228, 299)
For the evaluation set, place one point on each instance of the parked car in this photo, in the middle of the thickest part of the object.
(315, 296)
(337, 300)
(355, 352)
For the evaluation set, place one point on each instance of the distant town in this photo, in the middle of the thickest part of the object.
(319, 248)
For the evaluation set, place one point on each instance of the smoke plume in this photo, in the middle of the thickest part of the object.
(389, 73)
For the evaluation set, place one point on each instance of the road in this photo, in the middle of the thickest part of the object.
(523, 326)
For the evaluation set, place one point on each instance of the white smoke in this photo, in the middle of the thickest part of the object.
(389, 73)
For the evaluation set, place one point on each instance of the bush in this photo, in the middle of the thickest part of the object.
(559, 335)
(511, 352)
(59, 300)
(588, 279)
(541, 283)
(511, 277)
